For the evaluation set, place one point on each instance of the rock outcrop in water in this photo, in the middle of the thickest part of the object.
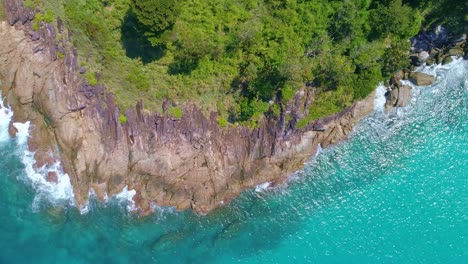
(421, 79)
(433, 46)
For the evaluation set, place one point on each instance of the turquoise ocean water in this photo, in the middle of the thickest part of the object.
(396, 192)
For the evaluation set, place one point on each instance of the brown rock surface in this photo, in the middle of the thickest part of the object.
(404, 95)
(398, 97)
(447, 60)
(52, 177)
(421, 79)
(186, 163)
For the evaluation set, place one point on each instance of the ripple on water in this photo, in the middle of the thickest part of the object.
(394, 193)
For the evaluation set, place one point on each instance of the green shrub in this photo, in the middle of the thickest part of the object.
(302, 123)
(91, 78)
(122, 119)
(47, 17)
(287, 93)
(176, 112)
(326, 104)
(222, 122)
(275, 110)
(32, 3)
(35, 26)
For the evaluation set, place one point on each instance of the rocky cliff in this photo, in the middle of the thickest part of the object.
(188, 163)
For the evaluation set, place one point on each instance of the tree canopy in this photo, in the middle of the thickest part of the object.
(156, 15)
(237, 56)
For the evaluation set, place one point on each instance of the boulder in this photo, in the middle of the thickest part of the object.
(455, 52)
(420, 58)
(396, 78)
(439, 58)
(421, 79)
(404, 95)
(392, 99)
(34, 35)
(430, 61)
(398, 97)
(434, 52)
(423, 56)
(447, 60)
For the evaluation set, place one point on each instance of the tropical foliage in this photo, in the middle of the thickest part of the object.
(236, 57)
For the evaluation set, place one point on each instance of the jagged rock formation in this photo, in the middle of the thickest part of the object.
(187, 163)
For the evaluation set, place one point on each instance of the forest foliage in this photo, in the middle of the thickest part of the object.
(238, 56)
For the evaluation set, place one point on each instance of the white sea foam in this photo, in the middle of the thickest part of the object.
(162, 209)
(5, 117)
(57, 193)
(23, 133)
(160, 212)
(85, 208)
(126, 196)
(439, 70)
(435, 68)
(379, 100)
(319, 150)
(263, 187)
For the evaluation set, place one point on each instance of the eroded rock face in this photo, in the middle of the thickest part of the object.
(186, 163)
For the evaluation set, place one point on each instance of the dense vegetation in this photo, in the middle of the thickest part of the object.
(235, 56)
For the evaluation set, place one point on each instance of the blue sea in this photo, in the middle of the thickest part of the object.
(395, 192)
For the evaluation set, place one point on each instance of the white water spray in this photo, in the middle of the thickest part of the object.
(57, 192)
(263, 187)
(5, 117)
(380, 100)
(319, 150)
(85, 208)
(126, 197)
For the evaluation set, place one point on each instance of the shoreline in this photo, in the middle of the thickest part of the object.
(293, 150)
(78, 124)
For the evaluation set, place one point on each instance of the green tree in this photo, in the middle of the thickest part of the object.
(156, 15)
(396, 57)
(395, 18)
